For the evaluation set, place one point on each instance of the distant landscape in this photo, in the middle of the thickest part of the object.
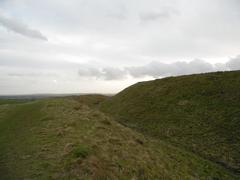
(41, 96)
(184, 127)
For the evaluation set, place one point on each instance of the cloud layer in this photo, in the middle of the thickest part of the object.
(157, 69)
(20, 28)
(106, 45)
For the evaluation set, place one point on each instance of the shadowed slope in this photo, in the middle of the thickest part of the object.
(200, 113)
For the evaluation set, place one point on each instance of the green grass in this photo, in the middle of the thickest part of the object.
(64, 138)
(18, 144)
(81, 151)
(198, 113)
(13, 101)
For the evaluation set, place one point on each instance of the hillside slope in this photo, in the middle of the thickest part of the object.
(63, 138)
(200, 113)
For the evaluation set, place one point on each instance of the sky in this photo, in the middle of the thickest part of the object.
(103, 46)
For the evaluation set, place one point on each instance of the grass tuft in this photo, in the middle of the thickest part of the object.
(81, 151)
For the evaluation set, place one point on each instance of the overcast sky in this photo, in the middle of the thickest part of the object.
(103, 46)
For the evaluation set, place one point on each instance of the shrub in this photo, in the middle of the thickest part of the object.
(81, 151)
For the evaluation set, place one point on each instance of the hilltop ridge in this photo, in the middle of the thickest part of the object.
(200, 113)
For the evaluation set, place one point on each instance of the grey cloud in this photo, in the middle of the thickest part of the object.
(87, 71)
(20, 28)
(151, 69)
(151, 16)
(165, 13)
(158, 69)
(113, 73)
(107, 73)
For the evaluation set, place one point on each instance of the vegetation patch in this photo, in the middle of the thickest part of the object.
(81, 151)
(50, 139)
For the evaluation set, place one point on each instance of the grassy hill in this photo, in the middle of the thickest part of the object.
(199, 113)
(67, 138)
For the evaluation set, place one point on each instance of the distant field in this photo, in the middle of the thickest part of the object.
(68, 138)
(12, 101)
